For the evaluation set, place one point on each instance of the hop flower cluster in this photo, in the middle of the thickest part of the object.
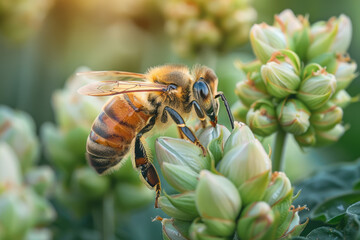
(80, 188)
(198, 24)
(299, 79)
(229, 192)
(25, 210)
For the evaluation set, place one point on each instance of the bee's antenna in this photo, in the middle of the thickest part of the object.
(223, 98)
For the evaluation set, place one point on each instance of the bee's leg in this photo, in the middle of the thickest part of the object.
(181, 126)
(199, 113)
(142, 163)
(181, 133)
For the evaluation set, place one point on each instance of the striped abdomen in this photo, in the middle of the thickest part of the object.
(113, 131)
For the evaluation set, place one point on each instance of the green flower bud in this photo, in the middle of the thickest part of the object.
(334, 35)
(344, 34)
(265, 40)
(261, 118)
(41, 179)
(251, 89)
(345, 73)
(214, 189)
(75, 110)
(167, 207)
(326, 117)
(185, 202)
(174, 229)
(55, 148)
(10, 172)
(316, 89)
(248, 166)
(89, 184)
(307, 139)
(181, 152)
(214, 139)
(323, 37)
(18, 127)
(256, 222)
(206, 135)
(329, 136)
(297, 28)
(199, 231)
(287, 19)
(180, 162)
(341, 99)
(281, 73)
(239, 111)
(137, 195)
(16, 214)
(248, 67)
(326, 60)
(293, 116)
(278, 189)
(240, 136)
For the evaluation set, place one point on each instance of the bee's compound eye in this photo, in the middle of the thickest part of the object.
(201, 89)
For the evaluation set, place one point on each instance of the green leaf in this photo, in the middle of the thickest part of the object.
(354, 209)
(333, 210)
(327, 233)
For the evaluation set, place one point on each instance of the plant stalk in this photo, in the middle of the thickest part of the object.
(278, 159)
(108, 228)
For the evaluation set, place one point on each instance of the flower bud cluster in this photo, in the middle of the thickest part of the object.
(298, 81)
(80, 188)
(196, 25)
(229, 191)
(25, 211)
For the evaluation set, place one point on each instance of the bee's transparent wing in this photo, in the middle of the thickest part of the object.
(107, 88)
(111, 76)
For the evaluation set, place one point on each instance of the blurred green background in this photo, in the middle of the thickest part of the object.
(43, 42)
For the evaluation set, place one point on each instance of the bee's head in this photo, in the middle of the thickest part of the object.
(204, 90)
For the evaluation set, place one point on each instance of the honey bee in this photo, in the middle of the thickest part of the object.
(142, 101)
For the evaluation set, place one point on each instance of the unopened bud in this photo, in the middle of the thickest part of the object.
(265, 40)
(345, 73)
(240, 136)
(88, 183)
(41, 179)
(293, 116)
(326, 117)
(256, 222)
(262, 118)
(281, 73)
(317, 88)
(214, 189)
(307, 139)
(278, 189)
(329, 136)
(175, 229)
(341, 99)
(239, 111)
(251, 89)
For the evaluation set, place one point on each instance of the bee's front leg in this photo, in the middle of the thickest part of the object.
(185, 131)
(199, 113)
(148, 171)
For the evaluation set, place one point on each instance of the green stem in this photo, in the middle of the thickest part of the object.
(108, 228)
(278, 160)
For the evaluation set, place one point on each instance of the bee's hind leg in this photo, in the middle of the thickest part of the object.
(142, 163)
